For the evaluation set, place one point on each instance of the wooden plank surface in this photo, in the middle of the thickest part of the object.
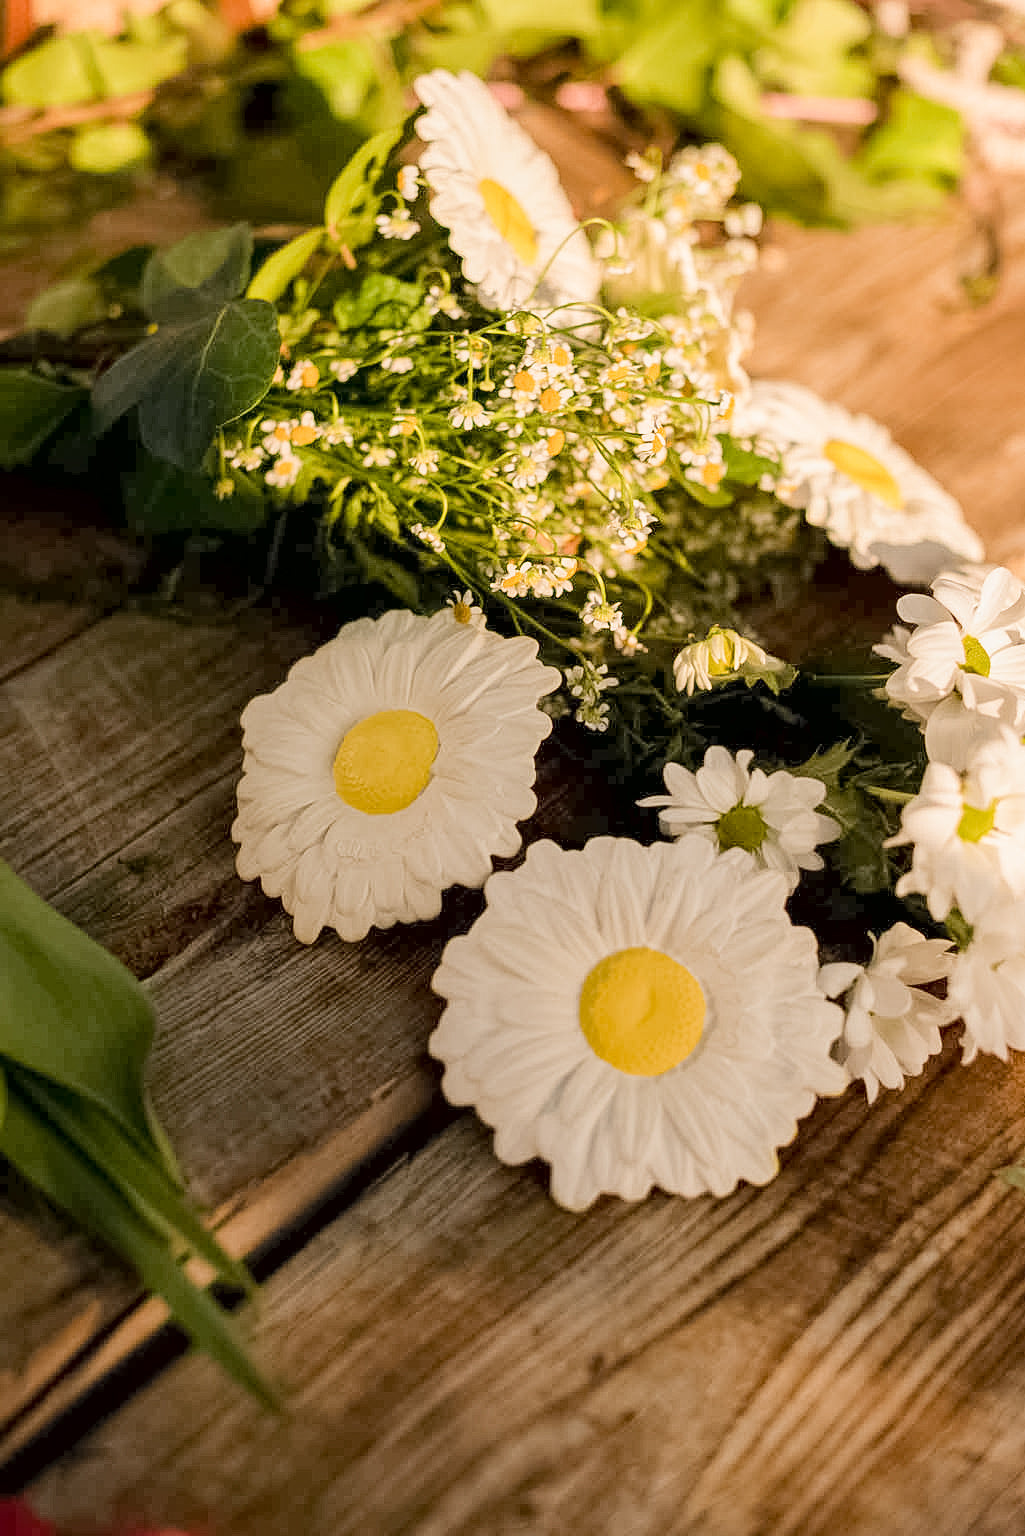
(841, 1351)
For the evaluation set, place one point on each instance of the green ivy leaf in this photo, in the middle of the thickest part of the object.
(188, 380)
(103, 149)
(202, 272)
(69, 1010)
(283, 266)
(353, 201)
(31, 409)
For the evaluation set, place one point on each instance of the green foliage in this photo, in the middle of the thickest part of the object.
(284, 265)
(199, 274)
(920, 137)
(32, 407)
(353, 202)
(210, 363)
(161, 498)
(75, 1030)
(105, 149)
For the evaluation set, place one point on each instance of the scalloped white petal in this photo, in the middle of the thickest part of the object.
(511, 1041)
(337, 867)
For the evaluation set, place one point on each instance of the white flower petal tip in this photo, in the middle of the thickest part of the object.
(394, 762)
(853, 481)
(500, 199)
(961, 669)
(967, 828)
(987, 983)
(770, 817)
(892, 1027)
(637, 1017)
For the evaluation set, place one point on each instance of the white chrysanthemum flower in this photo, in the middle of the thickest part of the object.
(968, 830)
(987, 983)
(637, 1016)
(721, 656)
(500, 199)
(770, 816)
(892, 1027)
(853, 480)
(968, 639)
(391, 764)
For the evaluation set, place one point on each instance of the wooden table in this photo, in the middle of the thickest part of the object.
(842, 1351)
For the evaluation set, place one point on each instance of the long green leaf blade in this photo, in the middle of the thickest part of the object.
(35, 1146)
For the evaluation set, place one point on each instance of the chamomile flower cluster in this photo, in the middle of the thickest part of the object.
(496, 393)
(959, 672)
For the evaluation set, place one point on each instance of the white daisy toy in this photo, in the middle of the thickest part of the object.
(853, 480)
(892, 1026)
(391, 764)
(968, 830)
(637, 1016)
(987, 983)
(770, 816)
(500, 199)
(968, 639)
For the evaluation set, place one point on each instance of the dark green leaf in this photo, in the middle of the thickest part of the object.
(352, 200)
(201, 273)
(31, 410)
(386, 573)
(69, 1010)
(283, 266)
(161, 498)
(68, 1176)
(188, 380)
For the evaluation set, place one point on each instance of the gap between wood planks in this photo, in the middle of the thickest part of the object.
(102, 1365)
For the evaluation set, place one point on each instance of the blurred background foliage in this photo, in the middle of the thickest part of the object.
(257, 105)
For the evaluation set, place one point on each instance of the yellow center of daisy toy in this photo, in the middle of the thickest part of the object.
(641, 1011)
(385, 761)
(865, 471)
(510, 219)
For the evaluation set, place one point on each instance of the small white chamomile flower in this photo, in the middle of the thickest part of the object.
(770, 816)
(892, 1027)
(968, 830)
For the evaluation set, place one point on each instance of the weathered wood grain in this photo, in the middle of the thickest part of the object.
(464, 1357)
(119, 756)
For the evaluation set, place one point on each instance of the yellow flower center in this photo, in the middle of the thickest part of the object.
(976, 657)
(509, 218)
(384, 762)
(864, 470)
(977, 822)
(641, 1011)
